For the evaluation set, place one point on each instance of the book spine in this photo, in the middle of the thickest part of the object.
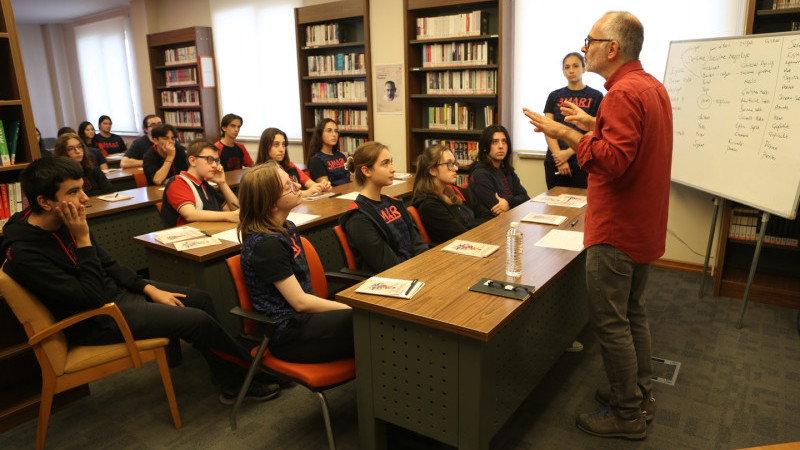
(5, 214)
(4, 157)
(12, 137)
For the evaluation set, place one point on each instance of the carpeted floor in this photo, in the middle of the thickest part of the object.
(735, 389)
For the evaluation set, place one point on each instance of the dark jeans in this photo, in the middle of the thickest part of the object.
(618, 315)
(579, 178)
(195, 323)
(317, 337)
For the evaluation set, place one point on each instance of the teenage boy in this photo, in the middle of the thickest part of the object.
(165, 159)
(493, 181)
(135, 153)
(189, 198)
(50, 251)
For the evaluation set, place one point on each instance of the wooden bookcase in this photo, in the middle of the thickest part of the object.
(196, 103)
(20, 376)
(777, 278)
(352, 19)
(419, 98)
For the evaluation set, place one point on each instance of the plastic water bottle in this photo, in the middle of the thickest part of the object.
(514, 250)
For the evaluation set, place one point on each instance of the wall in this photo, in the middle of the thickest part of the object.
(35, 59)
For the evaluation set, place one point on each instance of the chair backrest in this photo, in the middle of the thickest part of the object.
(34, 317)
(245, 302)
(318, 281)
(349, 257)
(418, 220)
(140, 179)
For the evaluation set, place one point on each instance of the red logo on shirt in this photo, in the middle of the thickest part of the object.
(390, 214)
(335, 164)
(582, 102)
(296, 247)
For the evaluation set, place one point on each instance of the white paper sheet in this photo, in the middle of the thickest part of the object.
(349, 196)
(300, 219)
(229, 235)
(563, 239)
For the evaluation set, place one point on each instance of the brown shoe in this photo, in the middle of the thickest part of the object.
(604, 423)
(648, 403)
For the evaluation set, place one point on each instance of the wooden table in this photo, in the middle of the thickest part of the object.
(453, 364)
(122, 179)
(205, 267)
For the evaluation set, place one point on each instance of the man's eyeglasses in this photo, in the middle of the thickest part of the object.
(589, 40)
(451, 165)
(210, 159)
(292, 189)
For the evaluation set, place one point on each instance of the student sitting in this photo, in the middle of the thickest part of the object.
(50, 251)
(442, 206)
(94, 180)
(107, 141)
(379, 229)
(493, 182)
(86, 134)
(311, 329)
(233, 154)
(273, 147)
(325, 161)
(165, 159)
(94, 154)
(189, 198)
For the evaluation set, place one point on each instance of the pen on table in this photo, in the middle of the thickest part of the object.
(205, 232)
(116, 194)
(411, 286)
(574, 222)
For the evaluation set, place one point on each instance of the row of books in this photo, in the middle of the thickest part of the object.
(323, 34)
(183, 118)
(12, 200)
(746, 224)
(181, 55)
(337, 64)
(456, 116)
(339, 92)
(457, 54)
(346, 119)
(473, 23)
(9, 137)
(465, 152)
(181, 77)
(785, 4)
(461, 82)
(188, 136)
(348, 144)
(181, 97)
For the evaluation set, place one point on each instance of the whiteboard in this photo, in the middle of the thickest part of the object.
(736, 118)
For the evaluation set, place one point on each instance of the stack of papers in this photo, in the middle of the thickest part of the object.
(114, 197)
(178, 234)
(563, 239)
(547, 219)
(470, 248)
(390, 287)
(570, 201)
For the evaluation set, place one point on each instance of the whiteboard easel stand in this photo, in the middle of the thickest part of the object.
(717, 205)
(753, 265)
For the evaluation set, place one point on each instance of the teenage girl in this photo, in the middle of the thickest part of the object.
(311, 329)
(86, 134)
(379, 228)
(273, 147)
(107, 141)
(94, 180)
(325, 161)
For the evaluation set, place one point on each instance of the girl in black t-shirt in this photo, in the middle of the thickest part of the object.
(325, 161)
(94, 180)
(273, 146)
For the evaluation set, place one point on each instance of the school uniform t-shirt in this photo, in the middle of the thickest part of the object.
(588, 99)
(109, 145)
(331, 166)
(388, 213)
(234, 157)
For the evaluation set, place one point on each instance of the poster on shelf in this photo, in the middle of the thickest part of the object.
(207, 79)
(389, 86)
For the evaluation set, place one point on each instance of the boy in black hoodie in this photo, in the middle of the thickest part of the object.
(50, 251)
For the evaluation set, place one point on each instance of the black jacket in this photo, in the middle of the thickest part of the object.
(444, 222)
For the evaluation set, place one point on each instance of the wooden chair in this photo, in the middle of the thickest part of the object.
(317, 377)
(140, 179)
(64, 367)
(418, 220)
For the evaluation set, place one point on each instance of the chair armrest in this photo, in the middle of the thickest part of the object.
(345, 278)
(360, 273)
(269, 324)
(109, 309)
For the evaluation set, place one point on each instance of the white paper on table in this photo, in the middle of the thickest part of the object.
(229, 235)
(300, 218)
(563, 239)
(349, 195)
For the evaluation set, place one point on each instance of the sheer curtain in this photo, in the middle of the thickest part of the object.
(544, 32)
(107, 70)
(254, 43)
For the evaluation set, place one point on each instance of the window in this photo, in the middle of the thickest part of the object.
(544, 32)
(107, 68)
(254, 44)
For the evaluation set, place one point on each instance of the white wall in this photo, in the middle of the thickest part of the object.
(34, 58)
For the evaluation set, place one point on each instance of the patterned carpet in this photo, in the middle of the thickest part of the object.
(735, 389)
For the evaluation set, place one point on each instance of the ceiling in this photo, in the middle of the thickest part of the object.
(56, 11)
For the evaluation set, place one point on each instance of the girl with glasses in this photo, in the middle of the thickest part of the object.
(324, 160)
(379, 228)
(446, 211)
(311, 329)
(94, 180)
(273, 146)
(233, 154)
(189, 198)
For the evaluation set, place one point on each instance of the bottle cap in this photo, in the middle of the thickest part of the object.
(514, 224)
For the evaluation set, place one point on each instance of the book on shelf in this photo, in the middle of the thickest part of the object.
(5, 206)
(547, 219)
(785, 4)
(472, 23)
(462, 82)
(181, 77)
(745, 225)
(349, 144)
(346, 119)
(470, 248)
(475, 53)
(178, 234)
(338, 64)
(12, 137)
(323, 34)
(390, 287)
(183, 55)
(4, 156)
(465, 152)
(180, 97)
(351, 91)
(183, 119)
(455, 116)
(189, 136)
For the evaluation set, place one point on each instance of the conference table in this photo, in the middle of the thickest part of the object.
(453, 364)
(205, 267)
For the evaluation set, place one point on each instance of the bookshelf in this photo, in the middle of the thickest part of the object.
(184, 81)
(334, 70)
(20, 376)
(777, 278)
(454, 72)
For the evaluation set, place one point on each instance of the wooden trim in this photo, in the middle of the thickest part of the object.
(325, 12)
(680, 265)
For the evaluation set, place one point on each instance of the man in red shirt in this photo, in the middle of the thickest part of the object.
(628, 155)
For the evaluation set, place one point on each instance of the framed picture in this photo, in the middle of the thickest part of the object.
(389, 86)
